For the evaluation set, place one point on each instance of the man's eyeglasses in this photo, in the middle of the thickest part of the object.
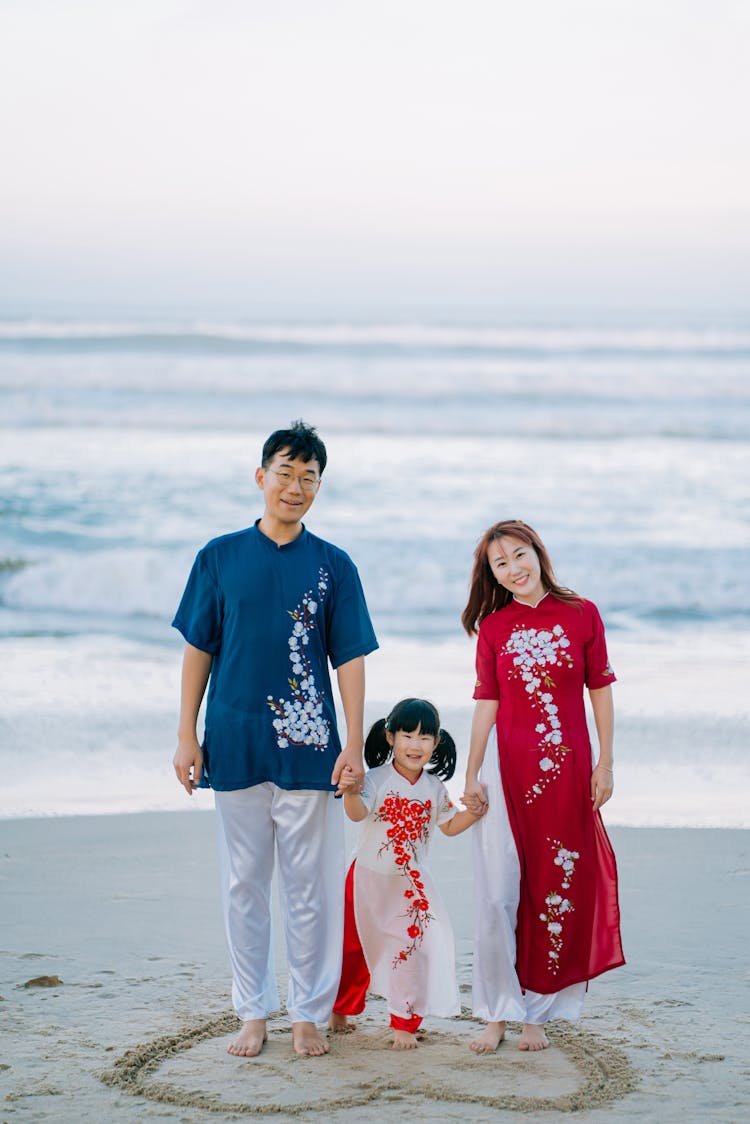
(308, 481)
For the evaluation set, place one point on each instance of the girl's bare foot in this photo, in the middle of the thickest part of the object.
(489, 1040)
(533, 1038)
(308, 1041)
(403, 1040)
(249, 1042)
(340, 1024)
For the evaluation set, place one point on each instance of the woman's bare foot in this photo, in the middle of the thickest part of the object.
(308, 1041)
(533, 1038)
(339, 1024)
(404, 1040)
(489, 1040)
(249, 1042)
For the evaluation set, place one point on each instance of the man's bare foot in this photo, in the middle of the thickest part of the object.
(533, 1038)
(339, 1024)
(249, 1042)
(308, 1041)
(489, 1040)
(404, 1040)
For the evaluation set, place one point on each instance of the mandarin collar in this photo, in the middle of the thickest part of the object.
(276, 546)
(526, 605)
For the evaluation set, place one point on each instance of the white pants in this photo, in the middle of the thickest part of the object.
(497, 994)
(306, 829)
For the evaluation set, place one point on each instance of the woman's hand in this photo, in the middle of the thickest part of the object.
(474, 798)
(602, 786)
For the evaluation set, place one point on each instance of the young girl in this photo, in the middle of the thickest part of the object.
(396, 929)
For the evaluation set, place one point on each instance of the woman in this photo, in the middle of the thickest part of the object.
(547, 917)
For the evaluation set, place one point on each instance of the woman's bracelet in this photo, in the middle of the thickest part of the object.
(606, 770)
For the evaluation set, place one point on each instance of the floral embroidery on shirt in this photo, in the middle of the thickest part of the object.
(557, 905)
(299, 720)
(409, 825)
(534, 651)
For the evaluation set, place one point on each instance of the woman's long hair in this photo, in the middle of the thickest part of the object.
(486, 595)
(409, 715)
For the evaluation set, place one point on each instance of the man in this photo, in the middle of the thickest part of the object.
(263, 612)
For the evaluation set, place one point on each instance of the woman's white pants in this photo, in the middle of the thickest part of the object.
(497, 994)
(305, 830)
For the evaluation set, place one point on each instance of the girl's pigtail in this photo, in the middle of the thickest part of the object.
(443, 761)
(377, 749)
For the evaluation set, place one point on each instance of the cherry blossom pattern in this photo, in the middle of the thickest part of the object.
(566, 859)
(558, 906)
(535, 652)
(299, 719)
(409, 822)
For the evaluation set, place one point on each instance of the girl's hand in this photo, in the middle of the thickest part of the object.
(474, 798)
(348, 782)
(602, 786)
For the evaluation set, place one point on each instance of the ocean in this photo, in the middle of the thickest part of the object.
(125, 446)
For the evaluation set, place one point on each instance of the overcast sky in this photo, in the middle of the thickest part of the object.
(280, 154)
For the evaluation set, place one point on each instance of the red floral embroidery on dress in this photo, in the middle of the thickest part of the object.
(409, 825)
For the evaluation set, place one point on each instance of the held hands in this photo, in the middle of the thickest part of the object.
(188, 763)
(347, 782)
(350, 787)
(474, 798)
(349, 762)
(602, 786)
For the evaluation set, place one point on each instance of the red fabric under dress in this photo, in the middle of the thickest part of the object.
(355, 975)
(536, 662)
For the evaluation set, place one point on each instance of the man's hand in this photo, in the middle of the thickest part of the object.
(347, 781)
(350, 759)
(188, 763)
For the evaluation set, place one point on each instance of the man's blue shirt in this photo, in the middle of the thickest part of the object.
(272, 617)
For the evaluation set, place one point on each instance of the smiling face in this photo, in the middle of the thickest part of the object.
(515, 566)
(289, 488)
(412, 750)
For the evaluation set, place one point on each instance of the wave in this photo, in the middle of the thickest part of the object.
(131, 584)
(202, 337)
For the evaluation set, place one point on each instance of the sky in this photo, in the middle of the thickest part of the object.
(343, 155)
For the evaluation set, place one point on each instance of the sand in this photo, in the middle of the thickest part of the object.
(115, 994)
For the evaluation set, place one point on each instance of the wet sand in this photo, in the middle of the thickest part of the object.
(123, 911)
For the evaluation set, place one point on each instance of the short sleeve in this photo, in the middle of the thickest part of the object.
(350, 631)
(597, 670)
(200, 613)
(486, 686)
(446, 808)
(368, 793)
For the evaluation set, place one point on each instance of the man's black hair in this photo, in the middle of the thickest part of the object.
(300, 441)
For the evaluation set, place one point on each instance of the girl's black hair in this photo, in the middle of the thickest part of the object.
(409, 715)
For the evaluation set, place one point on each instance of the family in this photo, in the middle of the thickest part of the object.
(265, 611)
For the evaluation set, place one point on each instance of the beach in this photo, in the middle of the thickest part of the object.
(497, 258)
(126, 447)
(124, 911)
